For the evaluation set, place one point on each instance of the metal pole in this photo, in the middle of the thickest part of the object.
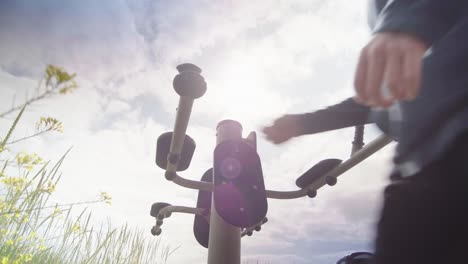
(357, 158)
(180, 127)
(358, 141)
(224, 242)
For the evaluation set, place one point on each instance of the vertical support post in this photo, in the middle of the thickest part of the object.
(225, 240)
(358, 141)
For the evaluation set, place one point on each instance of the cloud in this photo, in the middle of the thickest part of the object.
(92, 38)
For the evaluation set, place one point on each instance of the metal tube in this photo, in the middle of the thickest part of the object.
(180, 128)
(358, 157)
(284, 195)
(181, 209)
(224, 242)
(182, 119)
(358, 141)
(197, 185)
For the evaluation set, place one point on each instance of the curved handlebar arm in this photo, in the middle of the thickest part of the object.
(357, 158)
(197, 185)
(168, 210)
(284, 195)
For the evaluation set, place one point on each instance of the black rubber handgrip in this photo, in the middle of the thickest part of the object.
(156, 207)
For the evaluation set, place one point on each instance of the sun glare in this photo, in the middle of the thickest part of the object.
(243, 94)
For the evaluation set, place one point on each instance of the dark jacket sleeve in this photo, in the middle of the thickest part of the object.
(345, 114)
(429, 20)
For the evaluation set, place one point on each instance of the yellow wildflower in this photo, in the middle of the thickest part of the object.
(57, 211)
(23, 259)
(25, 218)
(50, 188)
(14, 182)
(106, 197)
(61, 78)
(4, 260)
(28, 160)
(49, 124)
(76, 228)
(33, 235)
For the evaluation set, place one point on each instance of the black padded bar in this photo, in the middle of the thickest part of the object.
(317, 171)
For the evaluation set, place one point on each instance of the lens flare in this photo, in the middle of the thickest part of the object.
(231, 168)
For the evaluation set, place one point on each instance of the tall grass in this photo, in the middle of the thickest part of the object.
(33, 229)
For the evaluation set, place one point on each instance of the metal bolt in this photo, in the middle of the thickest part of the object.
(312, 193)
(156, 231)
(331, 181)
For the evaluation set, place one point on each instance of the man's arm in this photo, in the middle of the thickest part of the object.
(345, 114)
(428, 20)
(392, 60)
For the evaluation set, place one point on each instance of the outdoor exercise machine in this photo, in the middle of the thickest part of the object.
(232, 199)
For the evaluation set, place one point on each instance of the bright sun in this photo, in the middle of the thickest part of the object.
(242, 93)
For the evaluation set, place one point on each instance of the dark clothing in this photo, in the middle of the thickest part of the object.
(425, 217)
(345, 114)
(425, 126)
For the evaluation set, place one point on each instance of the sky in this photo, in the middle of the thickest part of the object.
(261, 59)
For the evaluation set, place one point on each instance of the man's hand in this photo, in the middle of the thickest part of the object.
(283, 129)
(389, 69)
